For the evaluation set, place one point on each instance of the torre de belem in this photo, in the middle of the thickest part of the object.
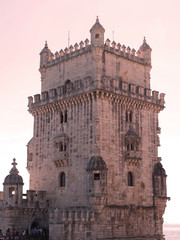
(93, 159)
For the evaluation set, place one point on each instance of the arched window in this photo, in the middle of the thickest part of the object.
(65, 147)
(11, 191)
(97, 36)
(62, 179)
(65, 116)
(61, 117)
(127, 119)
(96, 176)
(130, 179)
(132, 146)
(130, 116)
(60, 146)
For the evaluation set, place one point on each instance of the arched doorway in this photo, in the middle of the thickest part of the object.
(39, 229)
(34, 224)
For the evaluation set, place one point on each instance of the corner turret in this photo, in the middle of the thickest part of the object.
(145, 52)
(159, 181)
(97, 34)
(13, 186)
(44, 55)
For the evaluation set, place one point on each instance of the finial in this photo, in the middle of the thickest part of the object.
(144, 41)
(46, 45)
(14, 162)
(97, 19)
(14, 169)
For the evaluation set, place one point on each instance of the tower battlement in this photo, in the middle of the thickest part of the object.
(95, 58)
(84, 47)
(123, 90)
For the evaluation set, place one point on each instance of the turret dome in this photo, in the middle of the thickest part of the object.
(159, 170)
(45, 49)
(144, 46)
(13, 177)
(97, 25)
(96, 163)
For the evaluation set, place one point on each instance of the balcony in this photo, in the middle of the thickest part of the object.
(133, 157)
(60, 159)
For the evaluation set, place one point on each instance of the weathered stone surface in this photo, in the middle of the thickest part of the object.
(94, 153)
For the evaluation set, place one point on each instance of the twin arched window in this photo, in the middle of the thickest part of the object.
(130, 147)
(62, 146)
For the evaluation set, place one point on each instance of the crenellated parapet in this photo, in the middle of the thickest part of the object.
(129, 94)
(35, 199)
(67, 53)
(83, 47)
(125, 52)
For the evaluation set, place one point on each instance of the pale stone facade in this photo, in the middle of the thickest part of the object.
(94, 151)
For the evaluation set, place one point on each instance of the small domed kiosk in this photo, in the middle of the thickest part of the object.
(13, 186)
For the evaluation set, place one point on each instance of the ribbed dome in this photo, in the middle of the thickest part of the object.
(13, 177)
(96, 163)
(144, 46)
(45, 49)
(97, 25)
(159, 170)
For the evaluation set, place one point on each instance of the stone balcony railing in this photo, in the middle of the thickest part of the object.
(60, 159)
(133, 157)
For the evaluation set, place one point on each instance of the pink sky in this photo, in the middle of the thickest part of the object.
(24, 27)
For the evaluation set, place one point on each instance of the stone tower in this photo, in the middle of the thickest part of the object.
(94, 149)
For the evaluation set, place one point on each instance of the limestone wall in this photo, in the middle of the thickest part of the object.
(74, 68)
(109, 223)
(94, 62)
(96, 125)
(129, 71)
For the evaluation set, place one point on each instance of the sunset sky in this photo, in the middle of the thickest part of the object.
(26, 25)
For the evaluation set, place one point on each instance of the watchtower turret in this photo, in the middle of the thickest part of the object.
(44, 55)
(13, 187)
(145, 52)
(97, 34)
